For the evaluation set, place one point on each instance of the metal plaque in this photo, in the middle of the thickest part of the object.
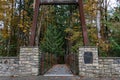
(88, 58)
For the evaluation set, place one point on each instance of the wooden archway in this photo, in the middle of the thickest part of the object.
(58, 2)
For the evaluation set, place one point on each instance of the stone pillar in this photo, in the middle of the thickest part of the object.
(29, 61)
(88, 61)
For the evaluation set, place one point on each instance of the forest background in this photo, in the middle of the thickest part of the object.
(58, 29)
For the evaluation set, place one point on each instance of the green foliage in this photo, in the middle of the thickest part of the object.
(115, 48)
(75, 38)
(116, 14)
(17, 22)
(53, 41)
(114, 33)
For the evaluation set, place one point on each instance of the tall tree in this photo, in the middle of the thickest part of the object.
(53, 41)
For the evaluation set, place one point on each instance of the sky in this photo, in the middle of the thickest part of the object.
(112, 4)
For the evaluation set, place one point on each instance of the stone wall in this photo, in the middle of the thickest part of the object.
(109, 66)
(29, 61)
(9, 66)
(89, 69)
(100, 67)
(26, 64)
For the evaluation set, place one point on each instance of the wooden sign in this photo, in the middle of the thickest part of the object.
(58, 1)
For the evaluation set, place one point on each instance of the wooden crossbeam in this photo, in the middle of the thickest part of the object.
(58, 2)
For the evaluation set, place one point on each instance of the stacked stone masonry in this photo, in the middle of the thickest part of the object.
(102, 66)
(29, 61)
(26, 64)
(88, 69)
(9, 66)
(109, 66)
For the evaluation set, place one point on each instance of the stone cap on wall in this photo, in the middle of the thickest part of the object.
(9, 57)
(109, 57)
(29, 47)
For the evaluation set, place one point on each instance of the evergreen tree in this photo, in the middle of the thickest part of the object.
(53, 41)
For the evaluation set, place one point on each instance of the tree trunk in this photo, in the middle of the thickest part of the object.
(98, 20)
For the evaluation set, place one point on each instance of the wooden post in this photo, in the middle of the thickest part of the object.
(83, 24)
(34, 23)
(42, 64)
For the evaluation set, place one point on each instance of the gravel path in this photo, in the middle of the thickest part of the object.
(53, 78)
(59, 70)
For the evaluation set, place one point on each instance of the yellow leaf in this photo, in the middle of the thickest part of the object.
(24, 30)
(20, 25)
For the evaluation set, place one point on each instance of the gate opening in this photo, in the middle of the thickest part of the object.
(48, 60)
